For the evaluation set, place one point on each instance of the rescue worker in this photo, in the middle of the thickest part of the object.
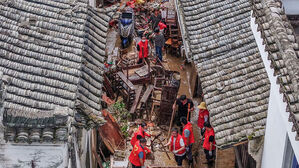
(138, 154)
(185, 107)
(143, 48)
(177, 146)
(209, 143)
(188, 136)
(141, 132)
(203, 116)
(162, 26)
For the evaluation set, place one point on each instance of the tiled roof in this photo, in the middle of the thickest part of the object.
(229, 65)
(280, 41)
(52, 55)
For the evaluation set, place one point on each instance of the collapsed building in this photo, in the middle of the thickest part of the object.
(51, 67)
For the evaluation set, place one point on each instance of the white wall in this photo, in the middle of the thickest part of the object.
(291, 6)
(277, 126)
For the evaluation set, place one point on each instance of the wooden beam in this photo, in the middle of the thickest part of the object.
(147, 93)
(241, 143)
(136, 101)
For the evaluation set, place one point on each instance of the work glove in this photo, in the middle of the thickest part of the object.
(175, 152)
(210, 153)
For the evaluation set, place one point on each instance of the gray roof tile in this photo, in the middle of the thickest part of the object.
(53, 54)
(280, 41)
(229, 65)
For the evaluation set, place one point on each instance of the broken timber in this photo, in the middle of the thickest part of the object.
(145, 98)
(137, 98)
(125, 86)
(108, 88)
(110, 133)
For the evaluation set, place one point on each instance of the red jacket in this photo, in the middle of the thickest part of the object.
(177, 144)
(134, 158)
(161, 25)
(143, 49)
(140, 132)
(188, 126)
(201, 117)
(206, 143)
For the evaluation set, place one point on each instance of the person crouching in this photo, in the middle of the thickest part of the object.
(141, 131)
(138, 154)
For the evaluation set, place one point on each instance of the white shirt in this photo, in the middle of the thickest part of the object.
(163, 14)
(182, 143)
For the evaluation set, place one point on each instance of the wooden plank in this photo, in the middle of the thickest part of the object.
(147, 93)
(142, 71)
(164, 148)
(111, 134)
(240, 143)
(107, 85)
(125, 80)
(137, 98)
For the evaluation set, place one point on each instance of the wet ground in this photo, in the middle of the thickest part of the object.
(173, 63)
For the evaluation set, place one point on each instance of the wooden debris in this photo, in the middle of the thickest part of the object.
(111, 134)
(171, 121)
(107, 100)
(164, 149)
(108, 87)
(136, 101)
(147, 93)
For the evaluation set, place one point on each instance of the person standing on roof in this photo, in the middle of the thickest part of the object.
(140, 132)
(177, 146)
(185, 107)
(155, 19)
(209, 144)
(143, 48)
(138, 154)
(188, 136)
(159, 42)
(203, 116)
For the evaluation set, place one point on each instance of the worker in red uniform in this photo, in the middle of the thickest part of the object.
(162, 26)
(209, 143)
(188, 136)
(203, 116)
(177, 146)
(138, 154)
(143, 48)
(141, 131)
